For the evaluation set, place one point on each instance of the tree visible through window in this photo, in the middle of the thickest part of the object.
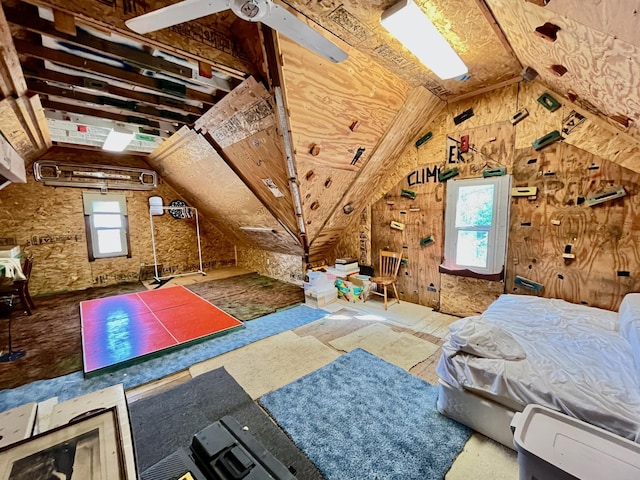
(476, 224)
(106, 222)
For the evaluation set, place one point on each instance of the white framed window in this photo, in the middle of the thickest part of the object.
(476, 224)
(107, 225)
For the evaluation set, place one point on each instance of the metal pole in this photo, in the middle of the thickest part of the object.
(153, 242)
(199, 247)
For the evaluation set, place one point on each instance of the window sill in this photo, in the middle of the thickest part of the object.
(493, 277)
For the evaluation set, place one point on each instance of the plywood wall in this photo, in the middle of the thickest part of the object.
(420, 279)
(324, 100)
(535, 251)
(602, 61)
(243, 126)
(193, 167)
(48, 222)
(604, 238)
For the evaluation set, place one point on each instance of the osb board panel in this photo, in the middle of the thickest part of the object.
(323, 100)
(49, 223)
(593, 136)
(191, 165)
(459, 295)
(603, 238)
(602, 69)
(288, 268)
(207, 39)
(461, 21)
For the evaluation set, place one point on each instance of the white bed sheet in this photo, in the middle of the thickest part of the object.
(576, 362)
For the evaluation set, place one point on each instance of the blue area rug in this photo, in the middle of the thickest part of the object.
(74, 384)
(362, 418)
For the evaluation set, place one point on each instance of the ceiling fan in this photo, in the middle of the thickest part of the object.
(265, 11)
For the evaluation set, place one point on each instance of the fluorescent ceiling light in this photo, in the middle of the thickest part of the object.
(409, 24)
(258, 229)
(118, 139)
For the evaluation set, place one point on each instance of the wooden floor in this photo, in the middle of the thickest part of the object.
(51, 336)
(425, 324)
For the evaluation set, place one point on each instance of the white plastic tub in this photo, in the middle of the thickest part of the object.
(554, 446)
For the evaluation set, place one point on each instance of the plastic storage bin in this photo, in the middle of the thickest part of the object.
(554, 446)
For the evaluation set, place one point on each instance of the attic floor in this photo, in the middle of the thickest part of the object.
(481, 457)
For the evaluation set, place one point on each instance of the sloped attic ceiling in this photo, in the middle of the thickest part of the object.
(360, 114)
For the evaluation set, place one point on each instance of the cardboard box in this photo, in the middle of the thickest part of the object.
(318, 301)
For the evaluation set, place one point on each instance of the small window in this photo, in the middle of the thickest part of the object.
(107, 226)
(476, 224)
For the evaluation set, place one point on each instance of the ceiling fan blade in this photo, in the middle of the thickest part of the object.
(174, 14)
(284, 22)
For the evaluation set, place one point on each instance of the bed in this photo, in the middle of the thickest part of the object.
(580, 360)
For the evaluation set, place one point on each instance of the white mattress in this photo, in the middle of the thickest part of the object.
(576, 361)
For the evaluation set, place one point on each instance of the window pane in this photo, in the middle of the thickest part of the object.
(474, 206)
(100, 206)
(472, 248)
(109, 241)
(102, 220)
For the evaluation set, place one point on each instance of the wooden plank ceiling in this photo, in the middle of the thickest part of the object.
(348, 122)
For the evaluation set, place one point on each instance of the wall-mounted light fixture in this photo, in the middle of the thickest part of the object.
(118, 139)
(409, 24)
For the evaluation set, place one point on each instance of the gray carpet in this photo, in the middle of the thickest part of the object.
(166, 422)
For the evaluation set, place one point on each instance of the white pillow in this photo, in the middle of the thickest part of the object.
(629, 320)
(476, 336)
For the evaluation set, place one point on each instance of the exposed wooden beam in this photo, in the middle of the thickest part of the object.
(62, 58)
(11, 79)
(483, 90)
(31, 70)
(91, 148)
(486, 11)
(64, 22)
(110, 103)
(82, 110)
(192, 40)
(87, 41)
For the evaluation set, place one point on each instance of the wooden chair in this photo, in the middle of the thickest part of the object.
(20, 288)
(387, 275)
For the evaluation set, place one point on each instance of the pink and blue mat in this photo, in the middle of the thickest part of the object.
(122, 329)
(153, 368)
